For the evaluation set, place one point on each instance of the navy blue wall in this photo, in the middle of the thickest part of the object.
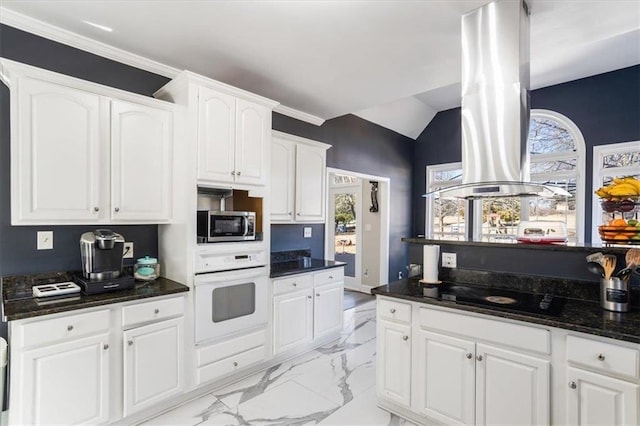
(290, 237)
(361, 146)
(605, 107)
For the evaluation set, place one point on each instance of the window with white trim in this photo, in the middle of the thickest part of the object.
(445, 219)
(557, 157)
(610, 161)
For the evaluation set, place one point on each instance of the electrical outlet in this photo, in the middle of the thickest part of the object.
(45, 240)
(449, 260)
(128, 250)
(307, 232)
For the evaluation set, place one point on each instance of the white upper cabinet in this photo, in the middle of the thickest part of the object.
(141, 144)
(55, 154)
(233, 139)
(82, 153)
(298, 179)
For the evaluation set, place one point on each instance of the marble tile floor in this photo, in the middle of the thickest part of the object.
(332, 385)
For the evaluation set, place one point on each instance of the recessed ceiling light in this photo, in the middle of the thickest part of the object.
(101, 27)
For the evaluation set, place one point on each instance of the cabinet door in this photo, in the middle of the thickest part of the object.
(141, 144)
(253, 137)
(444, 385)
(393, 366)
(327, 309)
(55, 155)
(65, 384)
(511, 388)
(283, 157)
(292, 320)
(310, 183)
(152, 363)
(216, 136)
(597, 399)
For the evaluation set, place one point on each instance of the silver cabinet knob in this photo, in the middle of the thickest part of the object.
(235, 364)
(330, 277)
(318, 294)
(69, 327)
(289, 213)
(156, 311)
(308, 297)
(298, 214)
(117, 209)
(479, 357)
(573, 385)
(295, 284)
(600, 357)
(469, 355)
(233, 172)
(105, 346)
(405, 338)
(393, 310)
(130, 343)
(96, 209)
(239, 173)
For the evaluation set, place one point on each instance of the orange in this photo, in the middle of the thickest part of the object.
(618, 222)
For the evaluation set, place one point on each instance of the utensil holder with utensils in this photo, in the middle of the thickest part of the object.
(614, 294)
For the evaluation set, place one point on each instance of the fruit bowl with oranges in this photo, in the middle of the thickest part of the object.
(620, 231)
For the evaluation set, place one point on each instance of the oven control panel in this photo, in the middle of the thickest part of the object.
(239, 259)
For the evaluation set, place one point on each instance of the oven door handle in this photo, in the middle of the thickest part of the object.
(226, 276)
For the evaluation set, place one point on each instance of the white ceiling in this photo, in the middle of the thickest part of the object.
(395, 63)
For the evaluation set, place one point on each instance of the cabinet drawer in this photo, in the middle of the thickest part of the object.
(506, 333)
(604, 356)
(296, 282)
(332, 275)
(230, 365)
(230, 347)
(152, 311)
(395, 311)
(67, 327)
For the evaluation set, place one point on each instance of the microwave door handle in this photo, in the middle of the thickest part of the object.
(246, 225)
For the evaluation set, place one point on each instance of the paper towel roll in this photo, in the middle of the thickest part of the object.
(430, 256)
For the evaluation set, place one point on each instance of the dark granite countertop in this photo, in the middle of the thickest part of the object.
(585, 316)
(301, 266)
(17, 305)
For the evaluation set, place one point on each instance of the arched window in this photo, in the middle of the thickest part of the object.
(557, 157)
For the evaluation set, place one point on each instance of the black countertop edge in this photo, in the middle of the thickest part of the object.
(301, 266)
(583, 248)
(29, 308)
(577, 315)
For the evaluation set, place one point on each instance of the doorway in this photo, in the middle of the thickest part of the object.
(357, 228)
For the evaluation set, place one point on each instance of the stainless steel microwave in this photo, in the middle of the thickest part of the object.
(216, 226)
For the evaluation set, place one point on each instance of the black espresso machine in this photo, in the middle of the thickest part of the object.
(102, 251)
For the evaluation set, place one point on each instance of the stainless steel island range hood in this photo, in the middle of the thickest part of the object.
(495, 105)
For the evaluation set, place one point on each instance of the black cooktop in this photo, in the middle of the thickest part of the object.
(496, 298)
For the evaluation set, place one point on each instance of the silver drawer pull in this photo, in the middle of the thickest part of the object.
(330, 277)
(479, 357)
(294, 284)
(235, 364)
(156, 311)
(318, 294)
(233, 172)
(105, 346)
(130, 342)
(117, 209)
(239, 173)
(69, 327)
(469, 355)
(405, 338)
(96, 209)
(393, 310)
(600, 357)
(308, 297)
(573, 385)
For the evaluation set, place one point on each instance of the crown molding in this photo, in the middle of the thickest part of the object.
(40, 28)
(299, 139)
(299, 115)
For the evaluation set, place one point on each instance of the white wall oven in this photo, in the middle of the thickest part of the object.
(233, 300)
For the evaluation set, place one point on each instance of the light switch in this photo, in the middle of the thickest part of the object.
(307, 232)
(45, 240)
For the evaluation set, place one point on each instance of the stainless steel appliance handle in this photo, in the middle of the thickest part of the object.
(246, 225)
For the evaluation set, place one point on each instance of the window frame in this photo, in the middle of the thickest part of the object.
(431, 170)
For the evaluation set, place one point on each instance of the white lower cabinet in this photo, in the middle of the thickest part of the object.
(66, 383)
(152, 363)
(464, 376)
(596, 399)
(394, 361)
(307, 308)
(64, 369)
